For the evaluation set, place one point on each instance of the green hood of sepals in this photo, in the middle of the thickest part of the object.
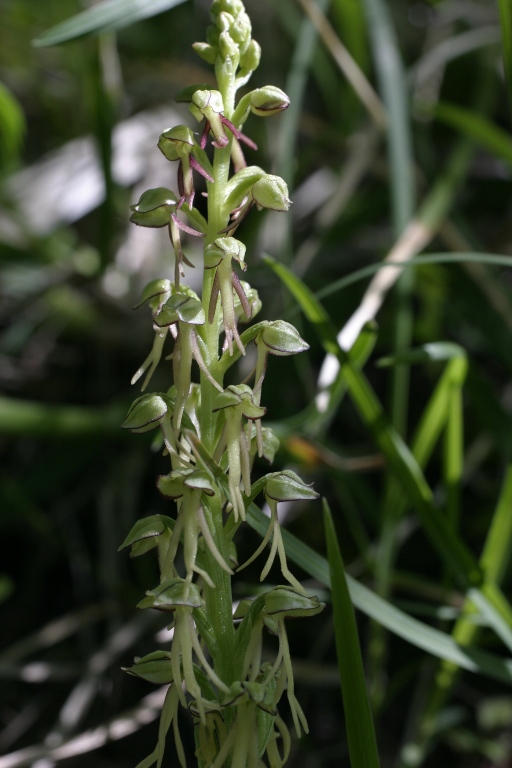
(181, 306)
(287, 486)
(172, 594)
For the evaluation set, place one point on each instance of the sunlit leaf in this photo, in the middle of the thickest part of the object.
(106, 16)
(473, 125)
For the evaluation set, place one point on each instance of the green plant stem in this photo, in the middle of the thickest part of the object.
(219, 600)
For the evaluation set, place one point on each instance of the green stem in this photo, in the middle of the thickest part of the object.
(219, 600)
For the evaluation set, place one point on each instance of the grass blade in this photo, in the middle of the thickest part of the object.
(393, 88)
(106, 16)
(362, 745)
(491, 259)
(295, 88)
(473, 125)
(498, 545)
(505, 8)
(417, 633)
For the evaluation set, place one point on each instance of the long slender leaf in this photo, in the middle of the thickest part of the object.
(295, 88)
(394, 92)
(493, 259)
(498, 545)
(393, 87)
(476, 127)
(400, 459)
(417, 633)
(457, 557)
(435, 414)
(106, 16)
(362, 745)
(506, 34)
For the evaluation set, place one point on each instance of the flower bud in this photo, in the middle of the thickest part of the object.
(231, 6)
(241, 28)
(146, 412)
(287, 486)
(215, 8)
(206, 52)
(224, 21)
(212, 36)
(285, 602)
(228, 49)
(271, 192)
(250, 59)
(268, 101)
(282, 339)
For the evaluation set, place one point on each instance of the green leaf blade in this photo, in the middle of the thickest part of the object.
(413, 631)
(359, 723)
(106, 16)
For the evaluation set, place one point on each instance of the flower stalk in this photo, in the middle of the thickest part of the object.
(212, 433)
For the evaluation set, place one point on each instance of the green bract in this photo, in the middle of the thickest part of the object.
(239, 186)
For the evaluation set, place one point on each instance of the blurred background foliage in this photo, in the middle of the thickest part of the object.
(79, 124)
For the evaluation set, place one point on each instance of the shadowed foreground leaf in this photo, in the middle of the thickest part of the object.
(360, 731)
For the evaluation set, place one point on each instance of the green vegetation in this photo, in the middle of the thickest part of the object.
(390, 274)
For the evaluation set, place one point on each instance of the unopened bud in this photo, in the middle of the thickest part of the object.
(224, 21)
(250, 59)
(268, 101)
(207, 52)
(271, 192)
(241, 29)
(228, 49)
